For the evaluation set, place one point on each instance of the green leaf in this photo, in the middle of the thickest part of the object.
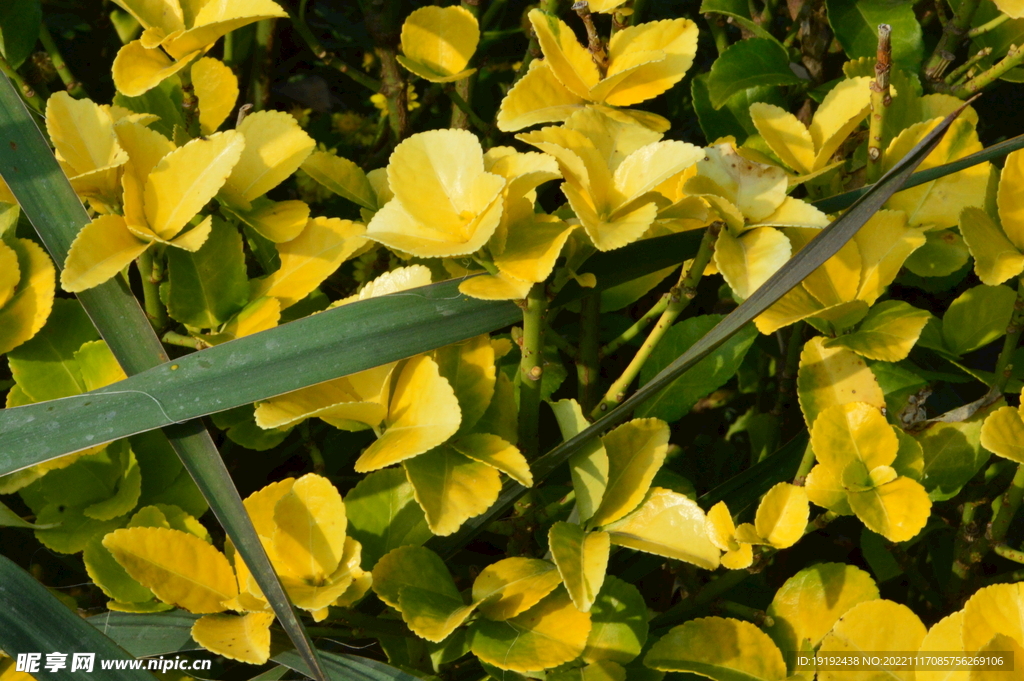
(164, 101)
(240, 426)
(734, 118)
(383, 515)
(749, 63)
(589, 466)
(944, 253)
(582, 559)
(45, 195)
(619, 623)
(739, 11)
(45, 367)
(952, 454)
(32, 620)
(887, 333)
(9, 518)
(977, 317)
(711, 373)
(855, 23)
(789, 276)
(206, 287)
(20, 21)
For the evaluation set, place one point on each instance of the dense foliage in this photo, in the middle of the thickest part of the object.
(843, 473)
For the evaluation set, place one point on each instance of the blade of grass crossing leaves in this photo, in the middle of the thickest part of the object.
(46, 196)
(792, 273)
(33, 621)
(841, 201)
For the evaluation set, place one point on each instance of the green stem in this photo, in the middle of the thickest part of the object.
(74, 87)
(638, 326)
(174, 338)
(961, 70)
(259, 76)
(1004, 368)
(383, 23)
(595, 45)
(988, 26)
(880, 101)
(806, 464)
(155, 309)
(531, 368)
(680, 297)
(462, 105)
(189, 102)
(1008, 553)
(1008, 505)
(744, 612)
(560, 342)
(491, 15)
(329, 59)
(1014, 57)
(638, 9)
(953, 33)
(588, 362)
(719, 33)
(31, 97)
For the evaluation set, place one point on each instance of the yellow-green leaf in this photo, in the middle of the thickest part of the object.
(782, 515)
(589, 466)
(889, 331)
(582, 559)
(877, 626)
(667, 524)
(469, 369)
(383, 514)
(496, 453)
(216, 88)
(718, 648)
(619, 623)
(412, 566)
(977, 317)
(1003, 434)
(809, 603)
(29, 307)
(431, 615)
(511, 586)
(785, 135)
(995, 258)
(945, 636)
(423, 413)
(341, 176)
(748, 260)
(179, 568)
(636, 450)
(1000, 643)
(245, 638)
(550, 633)
(897, 510)
(451, 488)
(831, 376)
(438, 42)
(885, 242)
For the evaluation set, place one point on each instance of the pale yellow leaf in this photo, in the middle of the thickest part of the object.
(496, 453)
(451, 488)
(785, 135)
(511, 586)
(1010, 198)
(667, 524)
(215, 19)
(839, 114)
(757, 190)
(877, 626)
(102, 249)
(341, 176)
(945, 636)
(137, 70)
(1003, 434)
(216, 88)
(675, 39)
(309, 537)
(830, 376)
(245, 638)
(28, 308)
(275, 147)
(996, 609)
(996, 259)
(582, 560)
(83, 133)
(718, 648)
(278, 221)
(568, 60)
(438, 42)
(636, 450)
(538, 97)
(782, 515)
(897, 510)
(885, 241)
(747, 261)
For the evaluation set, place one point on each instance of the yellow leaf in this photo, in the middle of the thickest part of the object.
(897, 510)
(1003, 434)
(1000, 643)
(853, 431)
(438, 42)
(278, 221)
(495, 287)
(26, 311)
(785, 135)
(782, 515)
(550, 633)
(275, 147)
(145, 148)
(797, 304)
(102, 249)
(216, 88)
(358, 397)
(757, 190)
(496, 453)
(423, 413)
(98, 365)
(216, 19)
(341, 176)
(839, 114)
(310, 258)
(809, 603)
(825, 488)
(532, 247)
(890, 330)
(309, 537)
(245, 638)
(945, 636)
(10, 273)
(137, 70)
(412, 566)
(747, 261)
(180, 568)
(186, 179)
(511, 586)
(937, 204)
(996, 259)
(430, 615)
(582, 560)
(795, 213)
(838, 279)
(83, 133)
(401, 279)
(885, 242)
(451, 488)
(996, 609)
(538, 97)
(163, 14)
(667, 524)
(602, 670)
(622, 228)
(674, 39)
(636, 450)
(830, 376)
(721, 532)
(1010, 198)
(469, 368)
(877, 625)
(316, 594)
(568, 60)
(718, 648)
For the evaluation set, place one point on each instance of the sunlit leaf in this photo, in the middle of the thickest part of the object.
(511, 586)
(636, 450)
(667, 524)
(451, 487)
(275, 147)
(996, 609)
(245, 638)
(878, 625)
(782, 515)
(831, 376)
(889, 331)
(718, 648)
(438, 42)
(582, 559)
(216, 88)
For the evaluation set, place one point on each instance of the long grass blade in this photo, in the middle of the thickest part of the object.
(30, 169)
(823, 247)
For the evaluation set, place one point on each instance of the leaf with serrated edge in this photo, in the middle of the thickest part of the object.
(511, 586)
(897, 510)
(245, 638)
(383, 514)
(945, 636)
(469, 369)
(697, 647)
(1003, 434)
(996, 609)
(341, 176)
(636, 450)
(310, 535)
(995, 258)
(451, 488)
(275, 147)
(438, 42)
(102, 249)
(29, 307)
(619, 623)
(830, 376)
(497, 453)
(582, 559)
(412, 566)
(782, 515)
(667, 524)
(888, 333)
(216, 88)
(878, 625)
(179, 568)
